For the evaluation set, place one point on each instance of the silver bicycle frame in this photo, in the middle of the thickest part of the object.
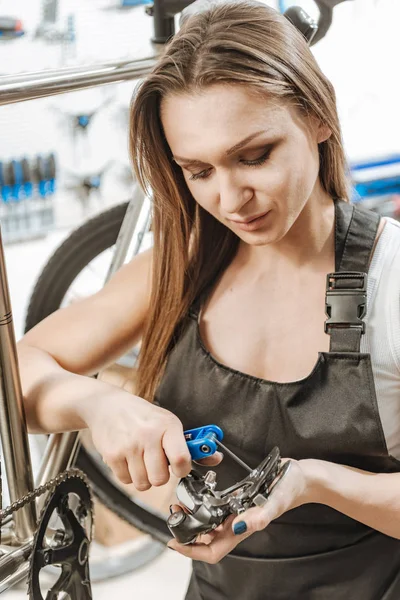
(61, 449)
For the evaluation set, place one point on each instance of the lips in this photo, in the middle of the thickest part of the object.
(249, 220)
(253, 223)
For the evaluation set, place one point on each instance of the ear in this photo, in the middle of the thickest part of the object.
(323, 133)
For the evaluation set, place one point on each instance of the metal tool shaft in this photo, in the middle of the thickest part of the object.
(233, 455)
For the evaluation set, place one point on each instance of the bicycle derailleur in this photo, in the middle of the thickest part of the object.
(62, 541)
(203, 508)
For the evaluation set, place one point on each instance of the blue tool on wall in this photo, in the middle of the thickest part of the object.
(5, 181)
(51, 173)
(17, 191)
(27, 178)
(10, 28)
(128, 3)
(45, 174)
(26, 206)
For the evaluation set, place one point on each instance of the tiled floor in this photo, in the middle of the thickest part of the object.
(166, 577)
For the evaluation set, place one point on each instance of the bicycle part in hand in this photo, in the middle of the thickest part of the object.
(204, 508)
(67, 546)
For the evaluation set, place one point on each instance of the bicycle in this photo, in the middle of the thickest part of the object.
(25, 538)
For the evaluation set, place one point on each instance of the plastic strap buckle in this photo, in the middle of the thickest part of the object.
(346, 300)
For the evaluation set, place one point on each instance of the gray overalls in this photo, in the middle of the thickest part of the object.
(312, 552)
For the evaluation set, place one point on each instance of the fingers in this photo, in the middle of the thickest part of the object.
(121, 470)
(176, 450)
(156, 465)
(211, 461)
(150, 469)
(281, 498)
(254, 519)
(144, 461)
(206, 538)
(138, 474)
(218, 544)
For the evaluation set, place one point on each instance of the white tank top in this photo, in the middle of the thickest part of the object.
(382, 337)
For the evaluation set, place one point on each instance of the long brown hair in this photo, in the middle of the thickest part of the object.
(243, 43)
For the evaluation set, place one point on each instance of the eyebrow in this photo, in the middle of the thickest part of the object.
(232, 150)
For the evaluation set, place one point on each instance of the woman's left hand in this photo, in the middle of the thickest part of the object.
(294, 489)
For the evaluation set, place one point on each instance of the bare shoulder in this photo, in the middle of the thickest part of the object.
(93, 332)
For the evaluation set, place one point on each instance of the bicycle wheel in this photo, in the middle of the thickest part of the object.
(76, 269)
(77, 252)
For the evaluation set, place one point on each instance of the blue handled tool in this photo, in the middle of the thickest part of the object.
(202, 441)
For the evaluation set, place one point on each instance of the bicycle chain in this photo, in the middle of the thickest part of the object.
(39, 491)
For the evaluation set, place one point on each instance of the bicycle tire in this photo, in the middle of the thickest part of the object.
(73, 255)
(83, 245)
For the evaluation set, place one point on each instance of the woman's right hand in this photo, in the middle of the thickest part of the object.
(138, 440)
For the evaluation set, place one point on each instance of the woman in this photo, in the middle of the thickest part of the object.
(237, 135)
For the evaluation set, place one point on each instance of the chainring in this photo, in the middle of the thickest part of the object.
(68, 546)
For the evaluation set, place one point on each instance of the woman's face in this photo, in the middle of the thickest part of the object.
(250, 161)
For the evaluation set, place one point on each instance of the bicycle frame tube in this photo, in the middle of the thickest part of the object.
(60, 454)
(12, 416)
(27, 86)
(14, 566)
(51, 83)
(129, 239)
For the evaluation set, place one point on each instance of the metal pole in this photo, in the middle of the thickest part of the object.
(51, 83)
(133, 226)
(14, 566)
(59, 454)
(14, 436)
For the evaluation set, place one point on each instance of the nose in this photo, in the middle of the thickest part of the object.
(233, 193)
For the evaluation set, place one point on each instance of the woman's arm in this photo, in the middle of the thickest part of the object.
(55, 399)
(57, 355)
(371, 498)
(138, 440)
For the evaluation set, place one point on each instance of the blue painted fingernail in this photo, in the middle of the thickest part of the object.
(239, 528)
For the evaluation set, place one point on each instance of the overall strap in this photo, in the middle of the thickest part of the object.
(346, 289)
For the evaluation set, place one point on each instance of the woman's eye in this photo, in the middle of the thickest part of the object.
(257, 161)
(249, 163)
(202, 175)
